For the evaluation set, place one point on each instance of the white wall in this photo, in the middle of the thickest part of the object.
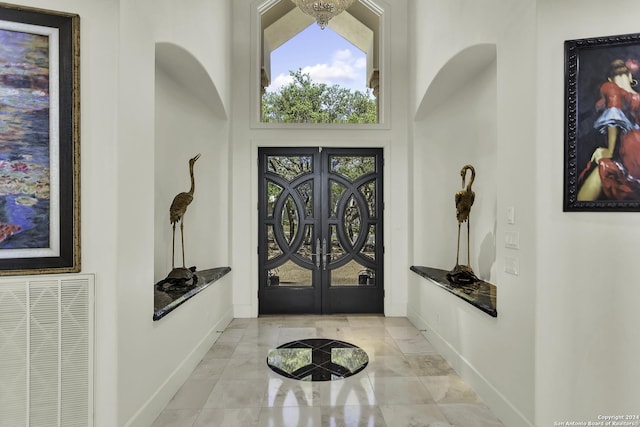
(563, 347)
(247, 136)
(155, 357)
(587, 330)
(99, 169)
(202, 28)
(478, 123)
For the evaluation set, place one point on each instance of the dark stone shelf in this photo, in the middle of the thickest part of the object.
(482, 295)
(165, 301)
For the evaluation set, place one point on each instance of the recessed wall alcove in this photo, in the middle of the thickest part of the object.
(190, 118)
(455, 125)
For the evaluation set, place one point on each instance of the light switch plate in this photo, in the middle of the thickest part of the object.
(512, 240)
(511, 265)
(511, 215)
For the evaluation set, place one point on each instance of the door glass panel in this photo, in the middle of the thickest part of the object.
(352, 274)
(273, 193)
(305, 191)
(337, 191)
(290, 219)
(335, 248)
(273, 250)
(289, 167)
(306, 249)
(369, 248)
(352, 220)
(368, 191)
(352, 167)
(289, 274)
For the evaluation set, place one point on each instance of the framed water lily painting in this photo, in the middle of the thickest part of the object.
(39, 141)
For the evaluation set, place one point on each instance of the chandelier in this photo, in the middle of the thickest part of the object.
(323, 11)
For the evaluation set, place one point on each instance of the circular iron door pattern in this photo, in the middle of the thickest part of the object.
(317, 359)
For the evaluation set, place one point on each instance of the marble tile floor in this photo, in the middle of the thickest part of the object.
(406, 383)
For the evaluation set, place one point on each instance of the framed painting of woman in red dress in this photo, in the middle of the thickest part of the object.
(602, 128)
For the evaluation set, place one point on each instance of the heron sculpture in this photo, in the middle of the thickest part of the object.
(464, 201)
(176, 213)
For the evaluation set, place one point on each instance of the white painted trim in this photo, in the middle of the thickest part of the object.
(146, 415)
(265, 6)
(492, 397)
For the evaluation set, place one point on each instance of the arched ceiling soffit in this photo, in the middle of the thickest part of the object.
(189, 73)
(282, 20)
(467, 62)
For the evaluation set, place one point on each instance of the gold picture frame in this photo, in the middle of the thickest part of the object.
(40, 138)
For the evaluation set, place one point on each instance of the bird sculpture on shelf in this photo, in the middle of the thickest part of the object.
(463, 274)
(176, 214)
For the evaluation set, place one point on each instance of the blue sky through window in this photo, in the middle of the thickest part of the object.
(325, 55)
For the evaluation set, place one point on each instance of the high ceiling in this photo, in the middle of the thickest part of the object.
(359, 24)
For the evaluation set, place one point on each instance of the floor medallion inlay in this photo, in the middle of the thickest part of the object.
(317, 359)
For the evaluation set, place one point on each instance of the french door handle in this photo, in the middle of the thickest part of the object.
(318, 253)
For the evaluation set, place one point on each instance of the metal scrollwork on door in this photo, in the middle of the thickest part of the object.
(320, 241)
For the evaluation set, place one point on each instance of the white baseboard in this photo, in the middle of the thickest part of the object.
(147, 414)
(491, 396)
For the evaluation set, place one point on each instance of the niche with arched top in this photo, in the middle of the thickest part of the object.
(455, 125)
(189, 119)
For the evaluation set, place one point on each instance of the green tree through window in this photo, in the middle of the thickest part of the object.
(305, 101)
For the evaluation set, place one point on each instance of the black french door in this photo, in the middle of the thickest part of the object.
(320, 239)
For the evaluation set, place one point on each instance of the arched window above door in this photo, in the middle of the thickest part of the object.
(361, 25)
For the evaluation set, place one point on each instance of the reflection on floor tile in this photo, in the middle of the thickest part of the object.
(353, 416)
(449, 389)
(291, 416)
(405, 384)
(353, 391)
(429, 365)
(287, 392)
